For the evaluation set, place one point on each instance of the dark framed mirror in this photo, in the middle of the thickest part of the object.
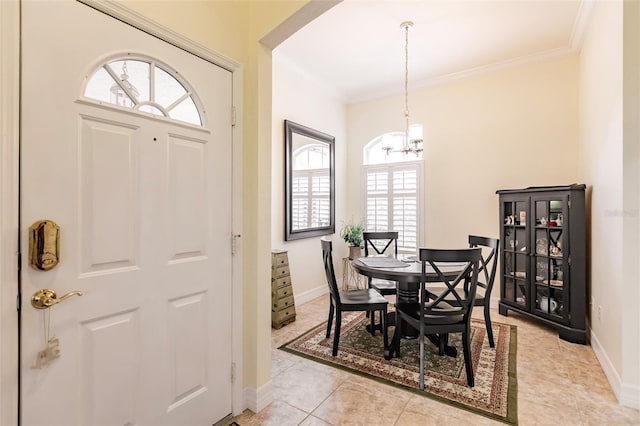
(309, 182)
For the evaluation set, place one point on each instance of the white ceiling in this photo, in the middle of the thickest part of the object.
(356, 48)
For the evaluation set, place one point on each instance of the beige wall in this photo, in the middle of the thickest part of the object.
(630, 392)
(601, 147)
(610, 139)
(508, 129)
(298, 98)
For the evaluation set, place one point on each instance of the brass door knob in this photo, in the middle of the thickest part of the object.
(46, 298)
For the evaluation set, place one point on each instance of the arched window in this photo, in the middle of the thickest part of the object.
(311, 186)
(393, 191)
(144, 84)
(374, 152)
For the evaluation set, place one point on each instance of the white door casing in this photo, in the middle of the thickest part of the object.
(144, 207)
(9, 131)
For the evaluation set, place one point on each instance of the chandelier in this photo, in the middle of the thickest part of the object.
(412, 137)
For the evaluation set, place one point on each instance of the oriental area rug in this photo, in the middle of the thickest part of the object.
(494, 394)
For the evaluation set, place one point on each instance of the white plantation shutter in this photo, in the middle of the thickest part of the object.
(300, 201)
(320, 191)
(405, 206)
(393, 200)
(310, 196)
(377, 200)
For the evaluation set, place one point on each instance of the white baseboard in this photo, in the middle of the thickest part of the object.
(605, 363)
(627, 394)
(257, 399)
(307, 296)
(630, 396)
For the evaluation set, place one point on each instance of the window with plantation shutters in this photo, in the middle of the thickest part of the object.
(393, 196)
(311, 187)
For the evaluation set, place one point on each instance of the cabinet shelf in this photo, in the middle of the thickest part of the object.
(535, 283)
(523, 253)
(546, 256)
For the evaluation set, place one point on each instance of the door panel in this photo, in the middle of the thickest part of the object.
(109, 376)
(144, 209)
(109, 213)
(187, 187)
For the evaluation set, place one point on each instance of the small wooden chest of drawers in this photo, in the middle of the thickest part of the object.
(283, 310)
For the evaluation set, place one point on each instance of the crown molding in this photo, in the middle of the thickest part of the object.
(580, 25)
(547, 55)
(533, 58)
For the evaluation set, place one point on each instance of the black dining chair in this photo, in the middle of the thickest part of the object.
(486, 277)
(381, 243)
(432, 314)
(368, 300)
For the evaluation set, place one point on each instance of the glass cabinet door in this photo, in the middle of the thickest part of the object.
(543, 256)
(515, 254)
(548, 256)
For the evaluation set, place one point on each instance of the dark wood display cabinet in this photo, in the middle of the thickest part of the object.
(543, 257)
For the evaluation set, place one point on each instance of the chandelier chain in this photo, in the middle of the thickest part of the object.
(406, 81)
(409, 146)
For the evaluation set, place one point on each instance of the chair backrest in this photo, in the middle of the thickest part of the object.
(380, 242)
(327, 248)
(433, 295)
(488, 262)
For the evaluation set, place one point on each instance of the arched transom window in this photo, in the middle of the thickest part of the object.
(145, 85)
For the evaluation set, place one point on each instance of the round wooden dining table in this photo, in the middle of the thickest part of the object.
(406, 271)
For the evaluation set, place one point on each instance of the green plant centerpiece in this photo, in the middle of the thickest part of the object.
(352, 235)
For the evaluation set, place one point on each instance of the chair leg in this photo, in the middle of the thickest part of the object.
(383, 322)
(396, 336)
(468, 362)
(330, 321)
(336, 333)
(369, 313)
(443, 339)
(487, 321)
(421, 358)
(373, 322)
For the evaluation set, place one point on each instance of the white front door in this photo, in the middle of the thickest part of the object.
(144, 209)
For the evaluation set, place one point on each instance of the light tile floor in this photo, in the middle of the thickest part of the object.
(559, 383)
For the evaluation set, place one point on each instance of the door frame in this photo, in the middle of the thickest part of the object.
(10, 203)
